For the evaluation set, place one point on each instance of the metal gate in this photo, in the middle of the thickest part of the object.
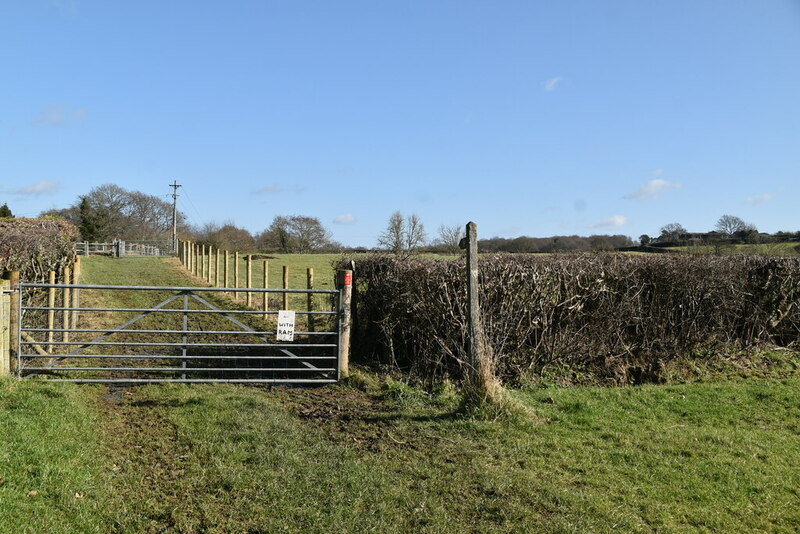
(177, 334)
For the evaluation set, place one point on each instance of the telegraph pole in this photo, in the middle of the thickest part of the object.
(175, 185)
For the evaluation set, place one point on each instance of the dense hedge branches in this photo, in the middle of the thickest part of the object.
(617, 317)
(35, 246)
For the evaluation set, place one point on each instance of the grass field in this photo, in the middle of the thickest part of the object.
(772, 249)
(376, 455)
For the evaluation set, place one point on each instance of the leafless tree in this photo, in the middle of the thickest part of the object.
(295, 233)
(450, 237)
(393, 237)
(729, 225)
(403, 236)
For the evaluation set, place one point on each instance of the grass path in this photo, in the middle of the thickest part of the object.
(376, 455)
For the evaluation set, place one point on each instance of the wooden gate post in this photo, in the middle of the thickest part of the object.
(285, 286)
(481, 382)
(5, 328)
(13, 312)
(344, 282)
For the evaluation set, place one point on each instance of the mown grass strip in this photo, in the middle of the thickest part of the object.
(52, 460)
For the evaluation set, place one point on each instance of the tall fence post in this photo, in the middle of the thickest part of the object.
(13, 312)
(5, 328)
(66, 301)
(480, 380)
(216, 268)
(285, 286)
(310, 303)
(76, 280)
(266, 285)
(51, 313)
(249, 295)
(225, 271)
(236, 274)
(344, 282)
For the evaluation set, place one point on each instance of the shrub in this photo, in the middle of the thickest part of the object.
(35, 246)
(616, 318)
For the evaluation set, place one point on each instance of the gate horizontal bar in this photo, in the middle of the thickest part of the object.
(186, 369)
(176, 310)
(190, 289)
(165, 344)
(168, 357)
(195, 380)
(134, 331)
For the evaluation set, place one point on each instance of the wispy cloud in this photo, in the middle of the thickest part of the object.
(59, 116)
(757, 200)
(44, 187)
(550, 85)
(652, 189)
(612, 222)
(347, 218)
(269, 188)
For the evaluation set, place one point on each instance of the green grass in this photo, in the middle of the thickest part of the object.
(378, 455)
(772, 249)
(52, 476)
(700, 457)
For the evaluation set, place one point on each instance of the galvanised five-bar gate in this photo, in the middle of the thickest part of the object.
(176, 334)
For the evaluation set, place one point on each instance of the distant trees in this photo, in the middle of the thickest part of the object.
(227, 236)
(450, 237)
(403, 236)
(733, 227)
(559, 243)
(672, 232)
(5, 211)
(295, 234)
(110, 211)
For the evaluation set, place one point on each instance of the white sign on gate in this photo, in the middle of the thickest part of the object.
(285, 325)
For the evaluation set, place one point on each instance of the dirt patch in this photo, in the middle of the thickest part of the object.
(148, 458)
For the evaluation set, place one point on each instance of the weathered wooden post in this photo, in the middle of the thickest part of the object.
(5, 328)
(216, 268)
(202, 273)
(67, 301)
(481, 382)
(51, 313)
(266, 286)
(75, 301)
(285, 286)
(225, 273)
(344, 282)
(249, 280)
(310, 296)
(236, 274)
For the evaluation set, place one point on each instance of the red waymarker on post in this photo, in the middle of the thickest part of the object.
(348, 278)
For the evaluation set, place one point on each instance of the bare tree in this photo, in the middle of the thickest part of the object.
(450, 237)
(415, 233)
(729, 225)
(393, 237)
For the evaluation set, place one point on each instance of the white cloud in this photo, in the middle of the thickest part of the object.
(652, 189)
(44, 187)
(551, 84)
(59, 116)
(757, 200)
(347, 218)
(269, 188)
(612, 222)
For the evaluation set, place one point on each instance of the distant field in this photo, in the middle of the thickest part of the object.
(776, 249)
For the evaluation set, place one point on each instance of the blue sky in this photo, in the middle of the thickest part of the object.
(530, 118)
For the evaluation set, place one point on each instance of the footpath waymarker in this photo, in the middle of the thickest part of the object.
(285, 325)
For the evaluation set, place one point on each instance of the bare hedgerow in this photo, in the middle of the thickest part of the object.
(35, 246)
(620, 318)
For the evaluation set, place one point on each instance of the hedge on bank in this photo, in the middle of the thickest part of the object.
(35, 246)
(619, 318)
